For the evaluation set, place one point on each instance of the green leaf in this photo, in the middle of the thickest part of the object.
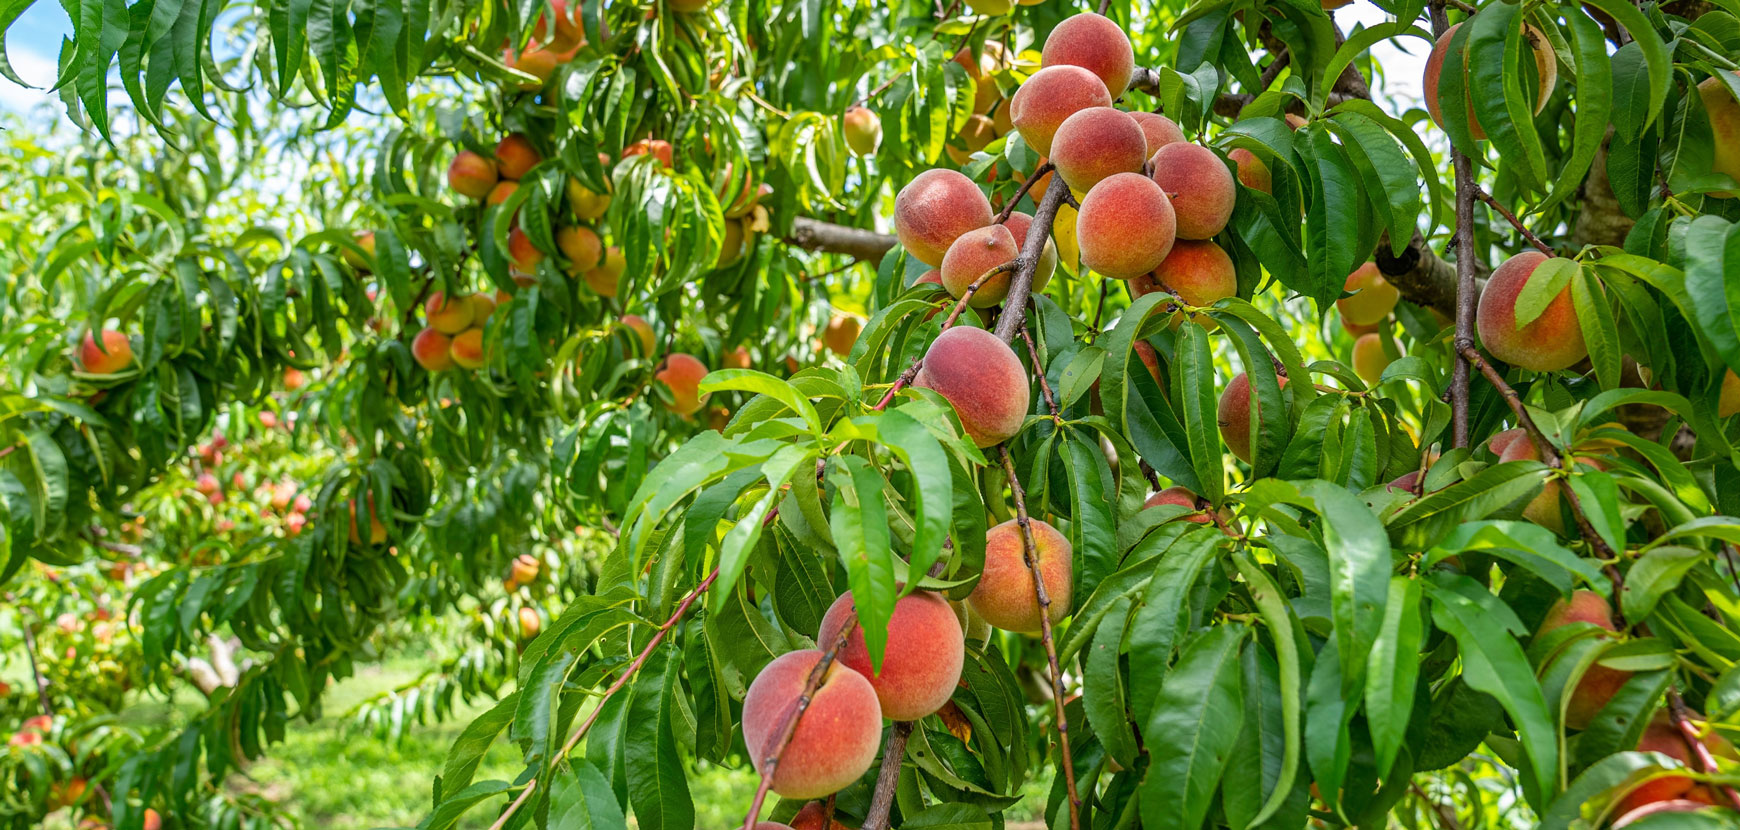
(859, 520)
(928, 464)
(1392, 669)
(1657, 572)
(468, 749)
(1104, 696)
(1272, 605)
(1713, 252)
(1600, 331)
(1196, 721)
(786, 462)
(1595, 89)
(1523, 543)
(657, 786)
(1550, 278)
(761, 383)
(581, 799)
(1193, 391)
(1155, 629)
(950, 817)
(1655, 53)
(1359, 570)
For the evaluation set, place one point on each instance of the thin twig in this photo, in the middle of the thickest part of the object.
(1481, 194)
(35, 671)
(1677, 712)
(1021, 285)
(1465, 291)
(882, 800)
(1009, 208)
(1039, 373)
(1100, 311)
(1028, 549)
(1273, 70)
(973, 288)
(900, 383)
(1445, 816)
(788, 724)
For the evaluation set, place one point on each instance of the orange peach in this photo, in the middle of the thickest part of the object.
(1546, 69)
(840, 333)
(834, 741)
(535, 61)
(1373, 297)
(922, 662)
(523, 256)
(737, 358)
(515, 156)
(1095, 43)
(656, 148)
(1200, 273)
(863, 130)
(1158, 130)
(1234, 415)
(377, 531)
(502, 191)
(1005, 596)
(431, 348)
(360, 261)
(1253, 173)
(1550, 342)
(934, 209)
(1126, 226)
(530, 623)
(1180, 496)
(643, 331)
(1200, 185)
(982, 378)
(580, 246)
(114, 355)
(1599, 684)
(682, 375)
(1020, 225)
(1369, 357)
(1053, 94)
(472, 175)
(1095, 143)
(603, 279)
(587, 205)
(467, 349)
(448, 316)
(974, 254)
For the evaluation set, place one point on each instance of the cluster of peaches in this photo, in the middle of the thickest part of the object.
(837, 737)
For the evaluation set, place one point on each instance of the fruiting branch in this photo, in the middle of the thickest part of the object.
(826, 237)
(1480, 193)
(788, 725)
(1009, 207)
(1032, 248)
(1029, 549)
(888, 777)
(1677, 712)
(1465, 289)
(1039, 369)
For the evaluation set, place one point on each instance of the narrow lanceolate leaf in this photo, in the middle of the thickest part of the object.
(1656, 573)
(1493, 662)
(928, 463)
(1391, 670)
(1594, 105)
(1092, 534)
(656, 784)
(1193, 391)
(1600, 331)
(786, 462)
(468, 749)
(1713, 252)
(1655, 53)
(859, 520)
(1273, 607)
(1103, 691)
(1195, 723)
(581, 799)
(1154, 631)
(1359, 571)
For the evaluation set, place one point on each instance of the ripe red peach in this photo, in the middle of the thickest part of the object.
(515, 156)
(1095, 143)
(1546, 68)
(835, 740)
(1095, 43)
(1234, 415)
(502, 191)
(1200, 185)
(657, 148)
(471, 174)
(1180, 496)
(580, 246)
(982, 378)
(525, 569)
(467, 349)
(1126, 226)
(922, 662)
(569, 32)
(523, 256)
(448, 316)
(682, 375)
(1200, 273)
(535, 61)
(1005, 596)
(840, 333)
(1662, 736)
(1550, 342)
(974, 254)
(1053, 94)
(934, 209)
(1253, 173)
(1158, 130)
(114, 355)
(1373, 296)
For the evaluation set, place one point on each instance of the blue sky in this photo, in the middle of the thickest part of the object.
(32, 44)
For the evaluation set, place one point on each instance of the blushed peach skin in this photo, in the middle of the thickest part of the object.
(1200, 185)
(1126, 226)
(1005, 596)
(1095, 143)
(1095, 43)
(922, 663)
(1550, 342)
(835, 740)
(1053, 94)
(934, 209)
(982, 378)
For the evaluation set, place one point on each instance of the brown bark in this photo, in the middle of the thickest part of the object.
(826, 237)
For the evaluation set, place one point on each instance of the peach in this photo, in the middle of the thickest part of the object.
(1126, 226)
(737, 358)
(377, 531)
(530, 623)
(467, 349)
(1234, 415)
(1599, 683)
(1095, 43)
(982, 378)
(1158, 130)
(525, 569)
(813, 817)
(482, 307)
(863, 130)
(1369, 357)
(1200, 273)
(975, 253)
(1543, 509)
(1672, 805)
(114, 355)
(534, 61)
(1149, 358)
(834, 741)
(840, 333)
(360, 261)
(1354, 329)
(580, 246)
(448, 316)
(979, 131)
(1661, 736)
(1500, 444)
(1550, 342)
(656, 148)
(1724, 113)
(733, 246)
(1095, 143)
(1253, 173)
(603, 279)
(1020, 225)
(587, 205)
(471, 174)
(1180, 496)
(523, 256)
(643, 331)
(1373, 296)
(1053, 94)
(922, 663)
(502, 191)
(1200, 185)
(515, 156)
(1546, 67)
(934, 209)
(682, 375)
(1729, 402)
(1005, 596)
(569, 32)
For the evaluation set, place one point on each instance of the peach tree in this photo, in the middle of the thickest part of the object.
(1227, 442)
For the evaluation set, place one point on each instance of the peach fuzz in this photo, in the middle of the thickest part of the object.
(972, 257)
(448, 316)
(862, 129)
(467, 349)
(1546, 67)
(471, 175)
(1095, 43)
(1095, 143)
(934, 209)
(1053, 94)
(1253, 173)
(1158, 130)
(1550, 342)
(982, 378)
(1005, 596)
(682, 374)
(580, 246)
(835, 740)
(1199, 272)
(922, 663)
(114, 355)
(1182, 497)
(1724, 113)
(1373, 297)
(515, 156)
(430, 349)
(1234, 415)
(1200, 185)
(1126, 226)
(1599, 683)
(1369, 358)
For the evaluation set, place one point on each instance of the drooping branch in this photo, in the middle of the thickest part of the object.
(788, 724)
(1029, 556)
(827, 237)
(888, 777)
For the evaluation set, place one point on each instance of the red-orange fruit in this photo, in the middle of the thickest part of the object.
(537, 62)
(1095, 43)
(1599, 684)
(569, 32)
(1158, 130)
(502, 191)
(114, 355)
(1021, 225)
(835, 739)
(934, 209)
(657, 148)
(1199, 272)
(1180, 496)
(1234, 415)
(580, 246)
(972, 257)
(1095, 143)
(982, 378)
(1200, 185)
(1373, 297)
(431, 350)
(1550, 342)
(922, 662)
(1053, 94)
(643, 331)
(840, 333)
(1126, 226)
(1369, 357)
(515, 156)
(448, 316)
(1662, 736)
(1546, 68)
(468, 350)
(682, 374)
(1005, 596)
(522, 254)
(472, 175)
(1253, 173)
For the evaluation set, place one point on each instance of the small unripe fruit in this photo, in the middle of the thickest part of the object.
(840, 333)
(992, 8)
(472, 175)
(580, 246)
(448, 316)
(587, 205)
(1373, 296)
(467, 349)
(1369, 357)
(530, 623)
(515, 156)
(114, 355)
(863, 130)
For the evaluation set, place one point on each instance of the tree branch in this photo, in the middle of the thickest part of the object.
(887, 778)
(1482, 195)
(1466, 291)
(1009, 209)
(1677, 712)
(826, 237)
(1039, 368)
(1021, 285)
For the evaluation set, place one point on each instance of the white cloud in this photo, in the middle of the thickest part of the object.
(34, 67)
